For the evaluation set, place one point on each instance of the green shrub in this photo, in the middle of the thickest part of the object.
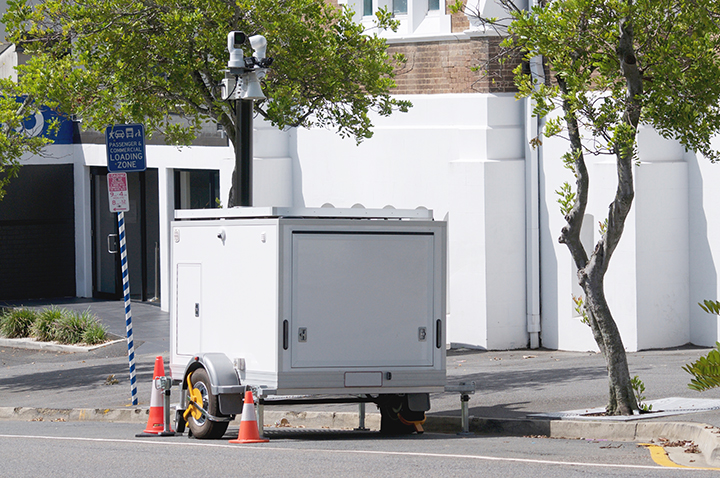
(62, 325)
(44, 327)
(16, 323)
(705, 371)
(69, 329)
(94, 333)
(74, 328)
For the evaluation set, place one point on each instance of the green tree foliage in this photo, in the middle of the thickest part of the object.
(14, 139)
(154, 61)
(612, 65)
(710, 306)
(705, 371)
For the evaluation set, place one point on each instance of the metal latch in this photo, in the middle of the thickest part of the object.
(302, 334)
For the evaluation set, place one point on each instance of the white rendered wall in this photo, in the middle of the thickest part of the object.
(463, 157)
(704, 220)
(272, 165)
(648, 282)
(662, 243)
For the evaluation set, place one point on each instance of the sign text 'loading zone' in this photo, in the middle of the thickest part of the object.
(125, 148)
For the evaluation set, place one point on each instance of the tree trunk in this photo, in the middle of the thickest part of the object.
(591, 271)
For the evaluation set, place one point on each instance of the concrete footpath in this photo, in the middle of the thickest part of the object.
(93, 384)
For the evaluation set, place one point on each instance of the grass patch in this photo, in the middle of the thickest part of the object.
(44, 327)
(69, 329)
(17, 323)
(53, 324)
(94, 334)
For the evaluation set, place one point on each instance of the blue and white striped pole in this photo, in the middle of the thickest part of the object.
(128, 311)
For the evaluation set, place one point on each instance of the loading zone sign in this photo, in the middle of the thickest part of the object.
(125, 148)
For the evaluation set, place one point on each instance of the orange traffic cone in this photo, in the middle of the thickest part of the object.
(155, 424)
(248, 423)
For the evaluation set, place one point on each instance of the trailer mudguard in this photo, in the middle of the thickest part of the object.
(224, 381)
(418, 402)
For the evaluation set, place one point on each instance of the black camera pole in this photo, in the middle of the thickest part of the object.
(245, 71)
(243, 152)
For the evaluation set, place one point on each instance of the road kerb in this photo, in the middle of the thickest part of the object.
(705, 436)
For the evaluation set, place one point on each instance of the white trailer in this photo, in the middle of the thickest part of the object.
(343, 303)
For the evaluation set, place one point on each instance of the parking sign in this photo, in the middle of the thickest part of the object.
(118, 198)
(125, 148)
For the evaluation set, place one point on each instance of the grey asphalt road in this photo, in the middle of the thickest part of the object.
(30, 449)
(510, 384)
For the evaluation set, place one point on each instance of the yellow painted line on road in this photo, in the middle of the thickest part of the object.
(660, 456)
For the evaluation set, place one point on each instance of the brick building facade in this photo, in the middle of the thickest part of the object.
(443, 53)
(447, 66)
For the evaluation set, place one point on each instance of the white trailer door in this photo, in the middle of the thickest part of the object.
(362, 299)
(188, 309)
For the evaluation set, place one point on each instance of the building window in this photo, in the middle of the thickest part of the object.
(197, 189)
(367, 7)
(415, 17)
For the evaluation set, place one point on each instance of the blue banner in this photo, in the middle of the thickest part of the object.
(39, 125)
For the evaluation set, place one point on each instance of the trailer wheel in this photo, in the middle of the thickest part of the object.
(394, 415)
(200, 425)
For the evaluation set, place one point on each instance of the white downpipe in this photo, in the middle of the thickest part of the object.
(532, 234)
(532, 213)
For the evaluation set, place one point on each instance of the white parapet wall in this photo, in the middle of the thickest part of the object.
(463, 157)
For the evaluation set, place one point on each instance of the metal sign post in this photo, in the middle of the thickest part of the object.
(125, 153)
(128, 310)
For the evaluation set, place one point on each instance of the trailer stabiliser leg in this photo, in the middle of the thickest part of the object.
(260, 418)
(465, 389)
(361, 418)
(465, 414)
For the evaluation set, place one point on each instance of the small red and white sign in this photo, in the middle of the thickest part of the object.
(118, 197)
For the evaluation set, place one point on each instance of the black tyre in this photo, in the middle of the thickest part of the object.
(203, 427)
(392, 408)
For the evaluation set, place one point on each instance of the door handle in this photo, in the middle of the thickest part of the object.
(112, 243)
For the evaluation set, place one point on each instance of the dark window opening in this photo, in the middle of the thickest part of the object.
(197, 189)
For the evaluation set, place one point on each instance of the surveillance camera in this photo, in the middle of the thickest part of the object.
(239, 39)
(235, 41)
(258, 44)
